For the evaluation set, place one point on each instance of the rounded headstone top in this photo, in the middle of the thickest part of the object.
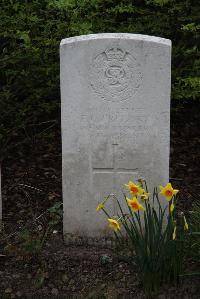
(126, 36)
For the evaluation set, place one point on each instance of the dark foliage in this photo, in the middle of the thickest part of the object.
(30, 33)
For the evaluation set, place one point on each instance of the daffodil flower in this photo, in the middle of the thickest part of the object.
(100, 206)
(134, 188)
(186, 226)
(134, 204)
(174, 233)
(144, 196)
(172, 206)
(114, 224)
(168, 191)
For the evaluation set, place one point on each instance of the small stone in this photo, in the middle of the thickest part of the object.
(65, 277)
(123, 278)
(72, 281)
(8, 290)
(44, 289)
(105, 259)
(39, 227)
(50, 285)
(54, 291)
(19, 294)
(16, 276)
(46, 275)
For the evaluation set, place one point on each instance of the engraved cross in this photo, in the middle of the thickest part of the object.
(114, 170)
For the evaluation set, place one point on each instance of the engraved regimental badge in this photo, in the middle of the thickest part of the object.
(115, 74)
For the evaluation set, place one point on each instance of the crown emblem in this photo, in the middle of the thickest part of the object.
(115, 54)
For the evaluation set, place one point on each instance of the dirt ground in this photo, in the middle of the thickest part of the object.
(32, 183)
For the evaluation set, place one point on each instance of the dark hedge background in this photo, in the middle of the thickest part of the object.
(30, 33)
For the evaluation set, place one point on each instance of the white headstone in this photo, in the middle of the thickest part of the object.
(115, 91)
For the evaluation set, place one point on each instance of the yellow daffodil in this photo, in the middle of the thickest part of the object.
(114, 224)
(100, 206)
(168, 191)
(134, 188)
(172, 206)
(186, 226)
(144, 196)
(134, 204)
(174, 233)
(141, 180)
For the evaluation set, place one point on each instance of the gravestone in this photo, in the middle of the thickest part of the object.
(115, 103)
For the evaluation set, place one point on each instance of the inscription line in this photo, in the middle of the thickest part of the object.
(113, 170)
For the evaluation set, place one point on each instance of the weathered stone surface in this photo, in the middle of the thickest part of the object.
(115, 91)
